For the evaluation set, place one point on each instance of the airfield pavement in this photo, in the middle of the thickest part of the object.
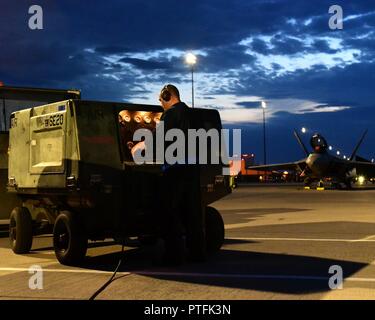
(280, 243)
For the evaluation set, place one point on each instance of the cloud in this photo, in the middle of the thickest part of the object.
(279, 51)
(146, 64)
(249, 104)
(113, 49)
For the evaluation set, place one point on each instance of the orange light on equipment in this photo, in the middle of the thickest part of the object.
(137, 118)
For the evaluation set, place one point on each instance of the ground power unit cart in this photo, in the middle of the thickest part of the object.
(71, 168)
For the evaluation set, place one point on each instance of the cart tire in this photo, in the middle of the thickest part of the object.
(20, 230)
(214, 230)
(69, 239)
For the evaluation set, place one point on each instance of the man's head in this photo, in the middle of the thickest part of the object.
(169, 96)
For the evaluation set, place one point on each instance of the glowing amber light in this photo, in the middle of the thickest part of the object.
(137, 118)
(147, 119)
(157, 119)
(124, 116)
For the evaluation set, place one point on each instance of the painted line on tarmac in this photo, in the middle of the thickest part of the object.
(230, 275)
(198, 275)
(238, 225)
(181, 274)
(369, 238)
(360, 279)
(302, 239)
(65, 271)
(250, 276)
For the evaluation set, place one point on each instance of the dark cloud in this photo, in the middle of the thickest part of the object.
(113, 49)
(365, 44)
(286, 45)
(321, 106)
(215, 107)
(323, 46)
(249, 104)
(223, 58)
(146, 64)
(260, 46)
(307, 110)
(336, 86)
(78, 38)
(208, 98)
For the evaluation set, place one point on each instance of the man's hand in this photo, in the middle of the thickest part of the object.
(139, 146)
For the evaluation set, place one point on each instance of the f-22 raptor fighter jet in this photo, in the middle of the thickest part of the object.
(320, 164)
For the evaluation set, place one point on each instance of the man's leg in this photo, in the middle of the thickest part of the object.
(195, 222)
(172, 222)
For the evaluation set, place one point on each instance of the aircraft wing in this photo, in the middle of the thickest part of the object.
(364, 168)
(298, 165)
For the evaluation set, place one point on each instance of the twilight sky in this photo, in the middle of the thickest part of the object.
(282, 52)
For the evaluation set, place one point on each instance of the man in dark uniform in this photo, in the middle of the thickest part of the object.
(183, 221)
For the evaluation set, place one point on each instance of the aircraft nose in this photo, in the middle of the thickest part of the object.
(318, 165)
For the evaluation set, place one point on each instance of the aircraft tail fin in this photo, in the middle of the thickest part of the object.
(301, 143)
(358, 145)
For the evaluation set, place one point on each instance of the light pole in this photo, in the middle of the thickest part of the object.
(191, 60)
(4, 113)
(264, 106)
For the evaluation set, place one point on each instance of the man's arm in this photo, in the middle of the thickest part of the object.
(139, 146)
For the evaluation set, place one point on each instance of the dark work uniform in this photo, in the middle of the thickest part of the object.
(176, 117)
(182, 205)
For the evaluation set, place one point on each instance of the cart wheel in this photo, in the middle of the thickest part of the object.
(20, 230)
(214, 230)
(69, 239)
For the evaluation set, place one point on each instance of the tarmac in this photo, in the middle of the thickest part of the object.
(282, 242)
